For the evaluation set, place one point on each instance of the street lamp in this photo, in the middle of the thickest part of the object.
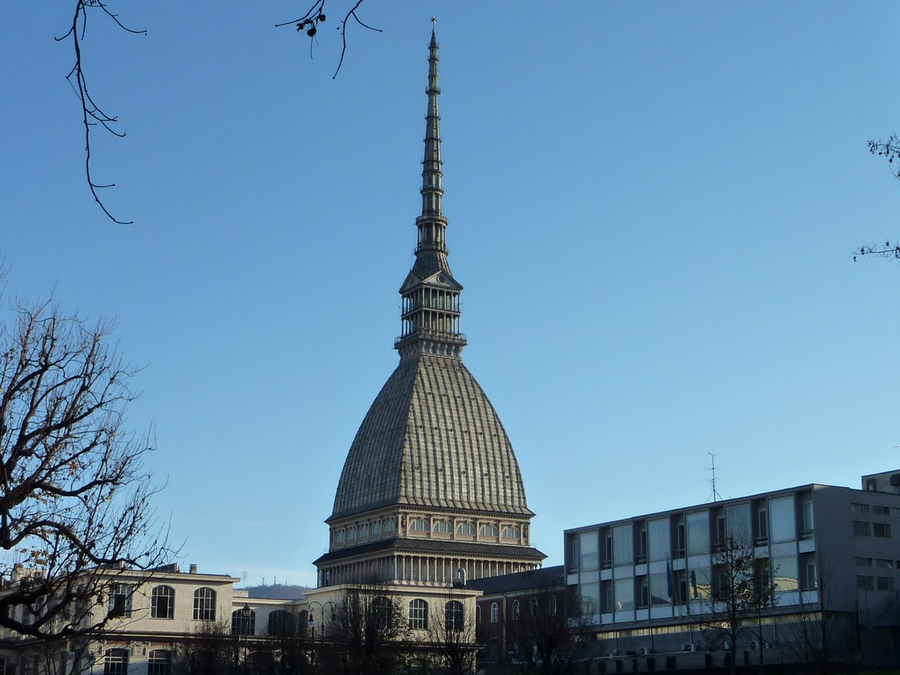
(311, 622)
(246, 613)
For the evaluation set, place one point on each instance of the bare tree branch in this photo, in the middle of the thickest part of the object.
(91, 113)
(890, 150)
(315, 15)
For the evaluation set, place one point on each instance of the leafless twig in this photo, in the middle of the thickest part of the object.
(92, 114)
(889, 250)
(315, 15)
(889, 149)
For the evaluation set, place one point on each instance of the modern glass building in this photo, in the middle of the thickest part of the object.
(783, 575)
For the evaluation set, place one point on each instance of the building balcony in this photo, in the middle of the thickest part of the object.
(436, 336)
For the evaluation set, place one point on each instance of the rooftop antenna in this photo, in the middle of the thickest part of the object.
(715, 496)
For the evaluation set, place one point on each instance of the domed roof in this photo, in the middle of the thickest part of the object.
(431, 439)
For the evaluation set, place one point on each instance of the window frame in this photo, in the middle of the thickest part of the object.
(162, 592)
(119, 604)
(488, 530)
(418, 614)
(419, 525)
(242, 626)
(204, 604)
(159, 662)
(454, 616)
(115, 661)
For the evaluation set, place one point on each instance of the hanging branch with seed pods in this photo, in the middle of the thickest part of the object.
(309, 23)
(891, 151)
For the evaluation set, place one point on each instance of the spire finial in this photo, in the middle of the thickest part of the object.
(432, 189)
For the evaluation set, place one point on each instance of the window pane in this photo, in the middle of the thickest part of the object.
(699, 583)
(738, 524)
(116, 662)
(658, 532)
(590, 598)
(453, 616)
(162, 603)
(659, 589)
(623, 547)
(159, 662)
(588, 545)
(418, 615)
(784, 570)
(624, 590)
(781, 513)
(698, 532)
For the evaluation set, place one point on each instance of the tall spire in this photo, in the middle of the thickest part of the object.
(430, 313)
(432, 183)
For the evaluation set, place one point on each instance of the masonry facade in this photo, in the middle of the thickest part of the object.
(430, 494)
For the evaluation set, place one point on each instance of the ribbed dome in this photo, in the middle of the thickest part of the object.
(431, 439)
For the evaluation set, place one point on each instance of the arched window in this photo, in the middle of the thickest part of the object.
(495, 612)
(453, 616)
(363, 531)
(339, 537)
(388, 525)
(552, 605)
(351, 534)
(159, 662)
(477, 615)
(281, 623)
(162, 602)
(534, 606)
(418, 614)
(510, 532)
(465, 528)
(489, 530)
(243, 625)
(516, 610)
(120, 599)
(418, 525)
(376, 529)
(204, 604)
(115, 662)
(383, 610)
(443, 527)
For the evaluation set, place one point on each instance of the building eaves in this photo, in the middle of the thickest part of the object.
(444, 548)
(546, 577)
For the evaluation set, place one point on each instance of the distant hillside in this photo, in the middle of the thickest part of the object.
(278, 591)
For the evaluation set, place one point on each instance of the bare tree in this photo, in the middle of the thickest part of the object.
(210, 650)
(367, 633)
(451, 638)
(74, 497)
(742, 592)
(546, 638)
(824, 633)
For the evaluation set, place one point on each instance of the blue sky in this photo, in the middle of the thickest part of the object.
(652, 207)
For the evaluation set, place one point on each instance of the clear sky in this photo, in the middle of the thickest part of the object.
(652, 207)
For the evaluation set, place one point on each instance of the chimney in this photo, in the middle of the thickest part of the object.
(193, 568)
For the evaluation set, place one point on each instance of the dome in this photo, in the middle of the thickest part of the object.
(431, 439)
